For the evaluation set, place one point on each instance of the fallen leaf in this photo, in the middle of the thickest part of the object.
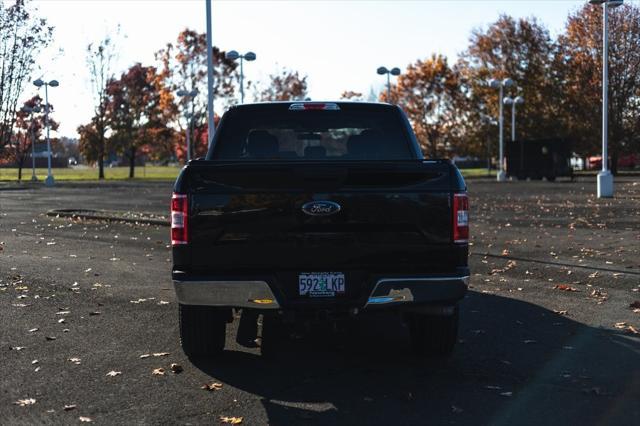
(33, 330)
(50, 337)
(74, 360)
(493, 387)
(16, 348)
(231, 420)
(565, 287)
(94, 313)
(85, 419)
(212, 387)
(145, 356)
(69, 407)
(620, 325)
(114, 373)
(158, 372)
(506, 393)
(562, 312)
(526, 342)
(632, 330)
(161, 354)
(25, 402)
(176, 368)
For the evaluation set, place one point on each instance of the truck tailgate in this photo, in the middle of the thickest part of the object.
(248, 217)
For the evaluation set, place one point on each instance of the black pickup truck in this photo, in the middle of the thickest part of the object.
(310, 211)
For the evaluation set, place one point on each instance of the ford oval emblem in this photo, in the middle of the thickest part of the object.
(321, 208)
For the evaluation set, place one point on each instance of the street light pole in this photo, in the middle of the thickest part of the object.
(249, 56)
(605, 178)
(519, 100)
(501, 84)
(210, 120)
(393, 71)
(189, 97)
(49, 181)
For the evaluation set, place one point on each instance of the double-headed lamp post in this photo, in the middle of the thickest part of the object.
(188, 96)
(518, 100)
(605, 178)
(501, 84)
(249, 56)
(30, 110)
(49, 181)
(393, 71)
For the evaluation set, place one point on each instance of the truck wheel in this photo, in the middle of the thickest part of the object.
(434, 335)
(202, 330)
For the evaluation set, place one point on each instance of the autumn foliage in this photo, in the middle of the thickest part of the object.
(448, 101)
(454, 111)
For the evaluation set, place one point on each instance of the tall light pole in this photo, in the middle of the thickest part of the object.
(518, 100)
(249, 56)
(210, 120)
(605, 178)
(30, 110)
(389, 73)
(501, 84)
(49, 181)
(188, 96)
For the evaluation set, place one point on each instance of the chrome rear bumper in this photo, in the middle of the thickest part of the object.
(414, 290)
(240, 294)
(257, 294)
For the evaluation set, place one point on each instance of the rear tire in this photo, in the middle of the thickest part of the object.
(434, 336)
(202, 330)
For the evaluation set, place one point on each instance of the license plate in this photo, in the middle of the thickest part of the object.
(321, 284)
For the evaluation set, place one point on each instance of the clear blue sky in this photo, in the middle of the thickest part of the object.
(338, 44)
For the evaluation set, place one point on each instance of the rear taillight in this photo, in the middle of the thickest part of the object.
(179, 219)
(460, 218)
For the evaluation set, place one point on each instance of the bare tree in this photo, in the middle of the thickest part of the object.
(22, 35)
(100, 57)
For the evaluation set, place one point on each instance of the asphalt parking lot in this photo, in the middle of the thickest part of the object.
(548, 331)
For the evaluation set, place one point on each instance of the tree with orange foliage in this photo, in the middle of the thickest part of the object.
(523, 51)
(285, 85)
(184, 67)
(429, 92)
(29, 129)
(139, 106)
(579, 66)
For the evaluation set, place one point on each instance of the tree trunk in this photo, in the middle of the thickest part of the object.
(101, 166)
(20, 163)
(132, 161)
(101, 155)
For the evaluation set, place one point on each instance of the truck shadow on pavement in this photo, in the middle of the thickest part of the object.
(516, 363)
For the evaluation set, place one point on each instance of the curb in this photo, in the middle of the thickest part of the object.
(111, 216)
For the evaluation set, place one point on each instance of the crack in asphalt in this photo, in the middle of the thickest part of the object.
(548, 262)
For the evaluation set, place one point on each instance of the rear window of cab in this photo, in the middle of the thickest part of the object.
(312, 131)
